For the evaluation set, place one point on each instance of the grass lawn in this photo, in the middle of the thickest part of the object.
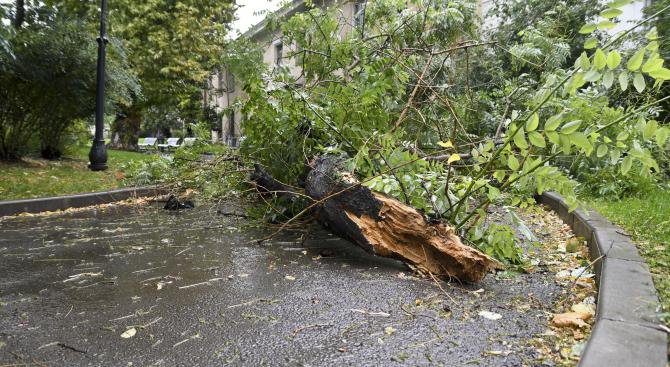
(647, 218)
(33, 177)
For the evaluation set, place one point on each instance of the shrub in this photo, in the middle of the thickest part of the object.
(49, 82)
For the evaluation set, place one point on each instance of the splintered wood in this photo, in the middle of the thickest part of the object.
(386, 227)
(404, 233)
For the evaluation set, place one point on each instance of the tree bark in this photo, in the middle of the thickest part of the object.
(126, 130)
(19, 13)
(386, 227)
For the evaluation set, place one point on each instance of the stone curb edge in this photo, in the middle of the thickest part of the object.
(14, 207)
(626, 331)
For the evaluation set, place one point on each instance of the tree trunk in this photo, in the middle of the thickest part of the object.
(126, 130)
(19, 13)
(386, 227)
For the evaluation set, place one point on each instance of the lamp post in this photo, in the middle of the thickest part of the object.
(98, 154)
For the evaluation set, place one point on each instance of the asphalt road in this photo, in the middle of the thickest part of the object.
(196, 290)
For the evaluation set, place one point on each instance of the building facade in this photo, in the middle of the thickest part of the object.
(222, 90)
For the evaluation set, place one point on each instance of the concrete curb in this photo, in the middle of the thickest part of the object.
(626, 332)
(14, 207)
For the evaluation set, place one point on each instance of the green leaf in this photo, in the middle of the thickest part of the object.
(513, 163)
(553, 122)
(591, 43)
(587, 28)
(599, 59)
(611, 13)
(618, 3)
(520, 139)
(606, 24)
(652, 35)
(649, 130)
(584, 61)
(576, 82)
(661, 136)
(626, 165)
(580, 140)
(639, 82)
(660, 74)
(571, 127)
(636, 60)
(653, 63)
(622, 136)
(537, 139)
(608, 79)
(592, 76)
(623, 80)
(553, 137)
(499, 175)
(602, 151)
(652, 46)
(533, 122)
(613, 59)
(565, 144)
(615, 154)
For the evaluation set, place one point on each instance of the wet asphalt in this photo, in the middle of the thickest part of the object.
(197, 290)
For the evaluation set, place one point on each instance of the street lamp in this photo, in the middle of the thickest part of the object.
(98, 154)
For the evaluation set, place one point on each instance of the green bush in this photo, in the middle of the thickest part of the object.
(48, 82)
(150, 172)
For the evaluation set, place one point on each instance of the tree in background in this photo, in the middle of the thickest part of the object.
(662, 24)
(48, 81)
(566, 17)
(172, 48)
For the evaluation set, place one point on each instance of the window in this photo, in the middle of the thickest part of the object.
(230, 82)
(359, 13)
(279, 53)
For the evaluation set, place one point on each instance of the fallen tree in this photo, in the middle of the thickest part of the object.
(382, 225)
(416, 126)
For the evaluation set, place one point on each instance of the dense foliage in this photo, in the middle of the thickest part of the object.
(47, 84)
(160, 55)
(171, 47)
(428, 111)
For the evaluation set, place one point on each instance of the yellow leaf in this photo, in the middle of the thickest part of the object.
(454, 157)
(569, 319)
(445, 145)
(129, 333)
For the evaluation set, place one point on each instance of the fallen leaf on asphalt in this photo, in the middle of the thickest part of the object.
(569, 319)
(82, 276)
(289, 277)
(563, 274)
(129, 333)
(490, 315)
(379, 314)
(585, 311)
(389, 330)
(572, 245)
